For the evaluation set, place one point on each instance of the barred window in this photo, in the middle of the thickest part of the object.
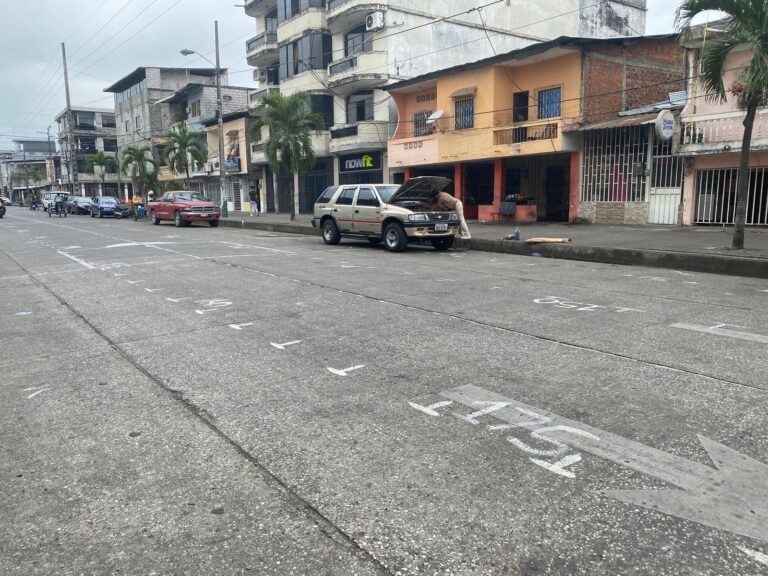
(464, 114)
(420, 127)
(549, 103)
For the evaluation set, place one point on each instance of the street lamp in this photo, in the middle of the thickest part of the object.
(219, 114)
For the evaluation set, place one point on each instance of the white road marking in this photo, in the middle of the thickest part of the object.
(177, 300)
(349, 266)
(118, 275)
(690, 282)
(135, 281)
(153, 289)
(762, 290)
(23, 314)
(239, 246)
(430, 410)
(728, 496)
(70, 247)
(495, 287)
(282, 346)
(76, 259)
(240, 326)
(345, 371)
(755, 555)
(14, 277)
(560, 466)
(36, 393)
(490, 407)
(720, 331)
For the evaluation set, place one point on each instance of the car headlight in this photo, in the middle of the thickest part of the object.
(418, 217)
(187, 209)
(454, 216)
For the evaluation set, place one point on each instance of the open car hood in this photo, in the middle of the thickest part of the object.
(419, 189)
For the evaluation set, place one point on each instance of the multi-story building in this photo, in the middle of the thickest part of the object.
(343, 52)
(552, 131)
(142, 120)
(710, 139)
(91, 131)
(33, 166)
(195, 106)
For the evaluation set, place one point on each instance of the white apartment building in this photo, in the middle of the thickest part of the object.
(343, 51)
(93, 130)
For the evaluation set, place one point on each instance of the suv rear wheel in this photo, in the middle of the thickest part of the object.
(394, 237)
(331, 233)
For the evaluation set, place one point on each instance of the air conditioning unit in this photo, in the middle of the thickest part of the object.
(259, 74)
(209, 166)
(374, 21)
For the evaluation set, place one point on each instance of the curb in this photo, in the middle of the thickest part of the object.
(688, 261)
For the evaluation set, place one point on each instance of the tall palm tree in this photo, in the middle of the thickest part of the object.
(183, 148)
(290, 122)
(745, 24)
(106, 162)
(138, 164)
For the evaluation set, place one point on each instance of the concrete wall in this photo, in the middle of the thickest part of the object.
(614, 212)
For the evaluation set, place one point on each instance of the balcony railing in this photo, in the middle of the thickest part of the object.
(344, 132)
(263, 39)
(343, 65)
(530, 132)
(704, 133)
(256, 97)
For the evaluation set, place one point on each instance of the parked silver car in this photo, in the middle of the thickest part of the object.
(395, 214)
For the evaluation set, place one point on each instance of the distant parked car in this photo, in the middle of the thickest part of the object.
(108, 206)
(49, 196)
(79, 205)
(184, 207)
(5, 200)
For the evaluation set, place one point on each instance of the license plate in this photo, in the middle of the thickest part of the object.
(441, 227)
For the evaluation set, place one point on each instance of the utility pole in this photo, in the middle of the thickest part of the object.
(70, 124)
(220, 113)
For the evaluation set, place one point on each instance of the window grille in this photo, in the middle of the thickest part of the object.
(549, 103)
(420, 127)
(464, 114)
(716, 196)
(613, 165)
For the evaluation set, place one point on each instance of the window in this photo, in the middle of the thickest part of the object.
(345, 198)
(323, 104)
(85, 120)
(367, 197)
(194, 109)
(358, 40)
(310, 52)
(108, 121)
(127, 126)
(289, 8)
(464, 113)
(420, 127)
(520, 107)
(360, 107)
(110, 145)
(270, 22)
(549, 103)
(138, 122)
(87, 145)
(327, 195)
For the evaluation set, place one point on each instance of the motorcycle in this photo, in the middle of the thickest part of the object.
(33, 205)
(2, 209)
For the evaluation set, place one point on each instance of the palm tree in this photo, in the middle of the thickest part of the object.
(138, 164)
(290, 122)
(184, 147)
(745, 24)
(105, 162)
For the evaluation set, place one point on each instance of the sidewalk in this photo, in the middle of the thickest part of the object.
(693, 248)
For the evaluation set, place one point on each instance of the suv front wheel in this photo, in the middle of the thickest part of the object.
(394, 237)
(331, 233)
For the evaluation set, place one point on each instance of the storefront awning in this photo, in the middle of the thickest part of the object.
(464, 92)
(623, 122)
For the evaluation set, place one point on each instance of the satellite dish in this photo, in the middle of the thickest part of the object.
(436, 116)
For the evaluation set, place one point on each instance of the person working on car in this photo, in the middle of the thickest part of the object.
(136, 201)
(445, 200)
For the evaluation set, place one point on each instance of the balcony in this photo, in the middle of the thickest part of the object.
(261, 50)
(370, 135)
(532, 137)
(342, 14)
(259, 8)
(359, 72)
(310, 19)
(319, 145)
(720, 132)
(255, 97)
(305, 81)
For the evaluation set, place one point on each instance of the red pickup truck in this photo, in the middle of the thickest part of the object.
(184, 207)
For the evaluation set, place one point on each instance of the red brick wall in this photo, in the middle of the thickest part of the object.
(623, 76)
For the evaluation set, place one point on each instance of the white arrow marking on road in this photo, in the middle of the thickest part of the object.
(240, 326)
(282, 346)
(346, 370)
(720, 331)
(490, 407)
(757, 556)
(431, 409)
(36, 393)
(730, 496)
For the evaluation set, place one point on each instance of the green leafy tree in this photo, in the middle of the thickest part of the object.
(138, 165)
(105, 162)
(184, 147)
(290, 122)
(745, 24)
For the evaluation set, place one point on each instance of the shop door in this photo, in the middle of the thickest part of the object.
(663, 205)
(237, 196)
(557, 194)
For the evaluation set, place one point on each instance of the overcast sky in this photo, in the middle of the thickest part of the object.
(107, 39)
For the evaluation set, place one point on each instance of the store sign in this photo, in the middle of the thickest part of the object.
(232, 165)
(358, 162)
(665, 125)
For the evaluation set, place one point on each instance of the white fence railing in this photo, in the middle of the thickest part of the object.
(718, 130)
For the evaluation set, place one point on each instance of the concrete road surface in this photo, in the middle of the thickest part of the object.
(215, 401)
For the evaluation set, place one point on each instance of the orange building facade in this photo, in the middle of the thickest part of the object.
(508, 129)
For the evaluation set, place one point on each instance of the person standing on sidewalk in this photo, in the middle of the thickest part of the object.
(255, 205)
(445, 200)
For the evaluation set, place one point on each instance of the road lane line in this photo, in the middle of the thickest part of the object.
(718, 330)
(76, 259)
